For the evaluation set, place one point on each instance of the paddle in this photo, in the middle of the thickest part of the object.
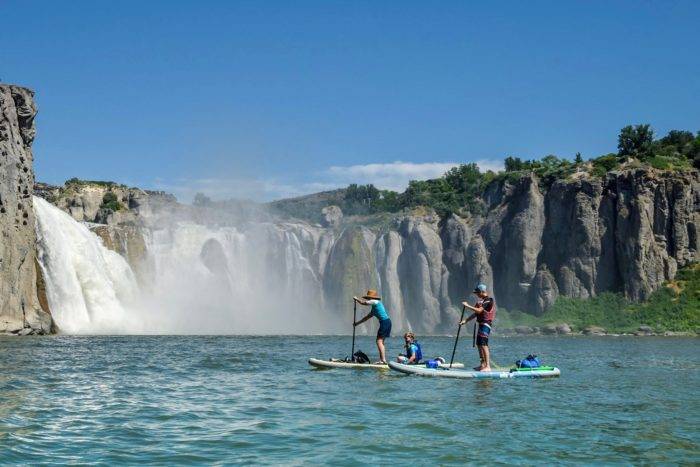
(354, 318)
(459, 328)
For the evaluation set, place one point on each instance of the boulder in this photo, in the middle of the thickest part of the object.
(563, 328)
(594, 331)
(524, 330)
(549, 329)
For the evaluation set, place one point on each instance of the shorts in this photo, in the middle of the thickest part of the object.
(482, 337)
(384, 329)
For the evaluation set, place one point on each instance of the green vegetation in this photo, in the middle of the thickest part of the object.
(674, 307)
(111, 201)
(604, 164)
(676, 151)
(457, 191)
(76, 182)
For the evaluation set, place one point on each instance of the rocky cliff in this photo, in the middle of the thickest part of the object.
(626, 232)
(20, 309)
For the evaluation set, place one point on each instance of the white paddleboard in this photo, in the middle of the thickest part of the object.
(444, 372)
(333, 363)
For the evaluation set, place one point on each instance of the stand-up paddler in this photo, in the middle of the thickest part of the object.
(372, 298)
(484, 311)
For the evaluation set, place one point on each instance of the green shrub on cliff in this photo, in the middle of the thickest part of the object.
(604, 164)
(111, 201)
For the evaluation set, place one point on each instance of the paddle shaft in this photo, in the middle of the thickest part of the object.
(354, 318)
(474, 335)
(459, 328)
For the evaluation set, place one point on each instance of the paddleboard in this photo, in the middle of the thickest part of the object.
(444, 372)
(334, 363)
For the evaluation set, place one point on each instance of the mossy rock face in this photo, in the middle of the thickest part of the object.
(350, 270)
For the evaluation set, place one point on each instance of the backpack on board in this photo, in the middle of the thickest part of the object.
(360, 357)
(531, 361)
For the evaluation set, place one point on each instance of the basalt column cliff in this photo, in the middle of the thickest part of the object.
(20, 308)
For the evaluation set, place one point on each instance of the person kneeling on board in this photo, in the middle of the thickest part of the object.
(414, 354)
(372, 298)
(484, 311)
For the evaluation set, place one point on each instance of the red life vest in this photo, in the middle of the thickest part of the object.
(489, 313)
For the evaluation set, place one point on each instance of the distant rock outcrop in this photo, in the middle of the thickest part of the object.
(20, 310)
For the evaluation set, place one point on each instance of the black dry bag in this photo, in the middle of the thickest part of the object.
(360, 357)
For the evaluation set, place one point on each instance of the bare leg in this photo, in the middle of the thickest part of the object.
(481, 358)
(486, 366)
(380, 347)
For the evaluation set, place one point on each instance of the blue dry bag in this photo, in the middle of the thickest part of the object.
(531, 361)
(432, 364)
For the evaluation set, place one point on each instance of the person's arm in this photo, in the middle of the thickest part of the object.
(369, 315)
(361, 301)
(475, 309)
(466, 320)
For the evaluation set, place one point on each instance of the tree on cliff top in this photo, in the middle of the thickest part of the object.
(636, 141)
(111, 202)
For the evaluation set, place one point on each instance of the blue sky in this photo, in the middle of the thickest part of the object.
(267, 99)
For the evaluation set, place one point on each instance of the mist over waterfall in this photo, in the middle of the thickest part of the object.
(200, 279)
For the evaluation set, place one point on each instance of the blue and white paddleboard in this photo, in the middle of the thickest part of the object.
(445, 372)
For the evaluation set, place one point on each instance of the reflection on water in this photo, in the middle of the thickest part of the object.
(170, 400)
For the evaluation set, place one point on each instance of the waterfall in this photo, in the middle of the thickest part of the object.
(89, 288)
(203, 279)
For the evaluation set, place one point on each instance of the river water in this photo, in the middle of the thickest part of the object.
(254, 400)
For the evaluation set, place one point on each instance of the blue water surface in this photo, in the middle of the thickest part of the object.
(254, 400)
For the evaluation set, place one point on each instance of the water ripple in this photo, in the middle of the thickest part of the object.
(254, 400)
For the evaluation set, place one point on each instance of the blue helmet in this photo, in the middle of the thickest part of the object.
(480, 288)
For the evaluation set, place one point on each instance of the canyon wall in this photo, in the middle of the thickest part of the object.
(20, 308)
(626, 233)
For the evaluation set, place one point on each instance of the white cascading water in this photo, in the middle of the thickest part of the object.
(89, 288)
(203, 280)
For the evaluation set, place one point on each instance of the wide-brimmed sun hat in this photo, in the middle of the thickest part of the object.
(372, 295)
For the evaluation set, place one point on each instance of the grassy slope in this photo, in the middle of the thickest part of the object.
(674, 307)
